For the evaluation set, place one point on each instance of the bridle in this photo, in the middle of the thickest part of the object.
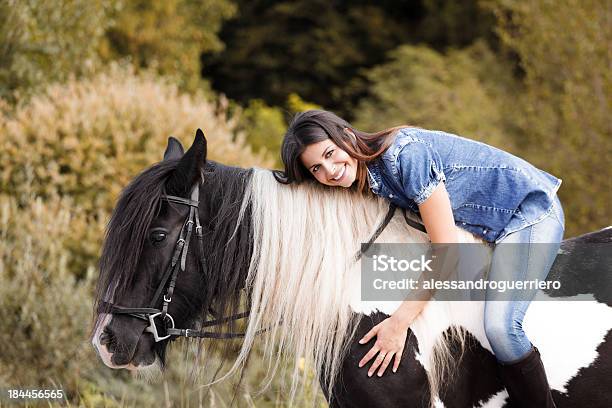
(176, 265)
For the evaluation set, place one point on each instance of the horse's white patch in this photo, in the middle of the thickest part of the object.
(496, 401)
(567, 332)
(105, 355)
(438, 403)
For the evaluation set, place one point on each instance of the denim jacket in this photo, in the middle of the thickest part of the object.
(492, 193)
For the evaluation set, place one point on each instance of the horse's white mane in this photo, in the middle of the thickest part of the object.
(303, 276)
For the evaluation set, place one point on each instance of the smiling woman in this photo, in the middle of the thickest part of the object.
(324, 147)
(329, 164)
(450, 181)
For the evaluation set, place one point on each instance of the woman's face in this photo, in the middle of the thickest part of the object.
(329, 164)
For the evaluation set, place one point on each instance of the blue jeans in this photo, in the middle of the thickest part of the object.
(523, 259)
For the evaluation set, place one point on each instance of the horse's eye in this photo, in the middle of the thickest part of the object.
(157, 236)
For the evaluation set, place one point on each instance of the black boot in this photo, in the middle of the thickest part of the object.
(526, 383)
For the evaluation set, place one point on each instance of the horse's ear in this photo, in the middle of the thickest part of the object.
(174, 150)
(189, 168)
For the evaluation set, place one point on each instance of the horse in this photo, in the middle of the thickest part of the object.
(191, 239)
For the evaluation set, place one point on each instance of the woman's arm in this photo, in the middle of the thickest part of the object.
(437, 216)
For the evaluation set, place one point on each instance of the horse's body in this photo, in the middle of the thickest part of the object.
(573, 336)
(252, 244)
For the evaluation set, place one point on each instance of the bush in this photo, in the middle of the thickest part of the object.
(564, 108)
(44, 41)
(168, 35)
(46, 309)
(87, 138)
(265, 127)
(67, 154)
(460, 92)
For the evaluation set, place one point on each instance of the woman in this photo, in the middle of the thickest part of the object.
(450, 181)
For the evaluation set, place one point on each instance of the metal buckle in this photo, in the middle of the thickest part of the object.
(153, 328)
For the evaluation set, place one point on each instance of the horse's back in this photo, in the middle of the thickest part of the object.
(584, 266)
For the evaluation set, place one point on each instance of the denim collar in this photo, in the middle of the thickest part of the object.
(374, 179)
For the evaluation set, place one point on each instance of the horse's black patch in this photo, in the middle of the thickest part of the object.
(584, 266)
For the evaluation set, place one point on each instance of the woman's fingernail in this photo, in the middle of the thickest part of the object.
(369, 374)
(380, 374)
(361, 341)
(395, 370)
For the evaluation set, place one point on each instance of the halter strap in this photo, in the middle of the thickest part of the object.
(193, 202)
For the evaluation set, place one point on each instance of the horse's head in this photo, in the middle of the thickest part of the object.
(153, 265)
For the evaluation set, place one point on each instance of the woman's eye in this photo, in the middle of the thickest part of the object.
(315, 168)
(158, 236)
(328, 154)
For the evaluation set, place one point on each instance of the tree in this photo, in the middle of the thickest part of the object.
(42, 42)
(318, 49)
(462, 91)
(564, 51)
(168, 35)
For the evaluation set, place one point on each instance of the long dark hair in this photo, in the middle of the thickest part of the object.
(315, 126)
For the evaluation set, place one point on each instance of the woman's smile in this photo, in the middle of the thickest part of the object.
(329, 164)
(341, 174)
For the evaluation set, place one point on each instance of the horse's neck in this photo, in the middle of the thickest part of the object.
(229, 245)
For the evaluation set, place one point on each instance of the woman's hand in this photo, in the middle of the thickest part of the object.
(390, 337)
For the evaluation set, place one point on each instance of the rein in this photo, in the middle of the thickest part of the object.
(390, 213)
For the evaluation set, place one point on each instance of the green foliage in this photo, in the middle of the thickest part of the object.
(460, 92)
(564, 116)
(46, 322)
(296, 104)
(40, 295)
(264, 126)
(87, 138)
(68, 152)
(455, 23)
(311, 48)
(44, 41)
(319, 48)
(168, 35)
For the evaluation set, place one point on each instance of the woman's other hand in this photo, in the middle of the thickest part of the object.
(390, 340)
(390, 337)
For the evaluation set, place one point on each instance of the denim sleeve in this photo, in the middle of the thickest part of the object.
(420, 170)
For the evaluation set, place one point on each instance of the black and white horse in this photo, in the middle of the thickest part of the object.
(290, 250)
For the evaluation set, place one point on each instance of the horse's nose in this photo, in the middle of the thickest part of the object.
(107, 339)
(120, 359)
(118, 355)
